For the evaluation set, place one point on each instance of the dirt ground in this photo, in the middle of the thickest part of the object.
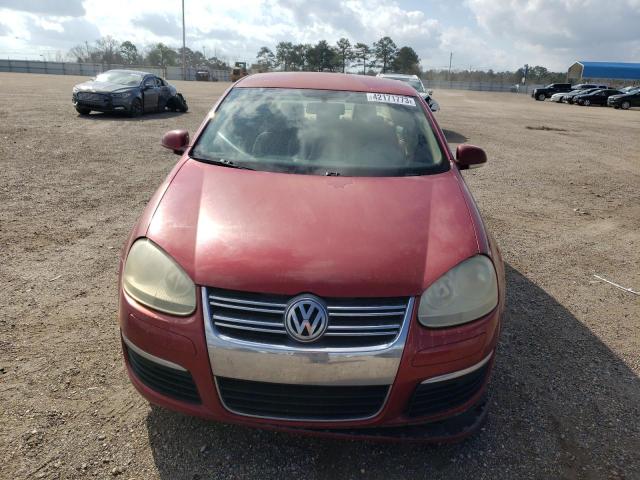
(561, 194)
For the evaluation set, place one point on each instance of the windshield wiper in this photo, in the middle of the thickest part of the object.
(223, 162)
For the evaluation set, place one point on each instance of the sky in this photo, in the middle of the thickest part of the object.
(481, 34)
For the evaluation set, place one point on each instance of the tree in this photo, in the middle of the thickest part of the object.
(407, 61)
(362, 52)
(129, 53)
(284, 54)
(162, 55)
(107, 50)
(302, 56)
(81, 53)
(323, 57)
(344, 51)
(385, 51)
(266, 59)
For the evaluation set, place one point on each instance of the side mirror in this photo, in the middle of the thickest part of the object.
(430, 92)
(470, 156)
(176, 140)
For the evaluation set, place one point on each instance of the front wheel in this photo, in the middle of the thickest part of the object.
(136, 108)
(541, 97)
(83, 110)
(625, 105)
(182, 103)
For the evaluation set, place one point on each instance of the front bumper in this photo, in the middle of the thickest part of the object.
(103, 103)
(180, 345)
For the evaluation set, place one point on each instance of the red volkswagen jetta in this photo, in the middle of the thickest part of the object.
(315, 263)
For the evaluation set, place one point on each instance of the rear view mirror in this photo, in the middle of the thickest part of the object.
(176, 140)
(470, 156)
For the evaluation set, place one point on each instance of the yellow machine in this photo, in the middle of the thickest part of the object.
(239, 71)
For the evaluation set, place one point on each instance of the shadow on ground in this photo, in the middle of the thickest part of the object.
(122, 116)
(454, 137)
(556, 395)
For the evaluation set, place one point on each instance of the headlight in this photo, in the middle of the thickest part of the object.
(154, 279)
(122, 94)
(465, 293)
(75, 90)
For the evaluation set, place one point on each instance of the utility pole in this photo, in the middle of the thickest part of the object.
(450, 59)
(184, 46)
(204, 53)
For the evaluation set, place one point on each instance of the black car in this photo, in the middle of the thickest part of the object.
(127, 91)
(570, 97)
(626, 100)
(597, 97)
(545, 92)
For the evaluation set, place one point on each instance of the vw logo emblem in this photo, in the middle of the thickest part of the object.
(306, 318)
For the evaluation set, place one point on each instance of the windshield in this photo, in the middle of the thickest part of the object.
(322, 132)
(122, 78)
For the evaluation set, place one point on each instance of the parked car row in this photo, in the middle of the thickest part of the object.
(590, 94)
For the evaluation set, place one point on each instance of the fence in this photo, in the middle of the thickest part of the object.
(480, 86)
(93, 69)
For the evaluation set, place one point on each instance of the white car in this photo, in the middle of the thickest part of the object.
(416, 83)
(557, 97)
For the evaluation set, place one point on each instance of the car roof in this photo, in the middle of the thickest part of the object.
(326, 81)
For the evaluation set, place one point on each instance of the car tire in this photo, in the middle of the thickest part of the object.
(625, 105)
(541, 97)
(83, 110)
(182, 103)
(136, 108)
(586, 103)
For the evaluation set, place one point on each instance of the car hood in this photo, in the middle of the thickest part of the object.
(101, 87)
(333, 236)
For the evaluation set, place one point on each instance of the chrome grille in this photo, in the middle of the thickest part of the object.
(353, 322)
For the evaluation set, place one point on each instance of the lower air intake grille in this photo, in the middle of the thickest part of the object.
(296, 402)
(173, 383)
(433, 398)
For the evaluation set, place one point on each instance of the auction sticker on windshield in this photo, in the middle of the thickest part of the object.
(386, 98)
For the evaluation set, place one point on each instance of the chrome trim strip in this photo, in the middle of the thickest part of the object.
(249, 309)
(297, 419)
(365, 314)
(251, 302)
(380, 307)
(363, 327)
(153, 358)
(225, 318)
(252, 329)
(361, 334)
(459, 373)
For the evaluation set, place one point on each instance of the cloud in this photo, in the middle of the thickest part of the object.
(62, 34)
(4, 30)
(65, 8)
(159, 24)
(563, 30)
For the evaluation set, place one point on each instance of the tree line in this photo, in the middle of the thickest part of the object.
(110, 51)
(383, 55)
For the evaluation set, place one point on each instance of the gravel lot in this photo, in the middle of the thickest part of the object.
(560, 193)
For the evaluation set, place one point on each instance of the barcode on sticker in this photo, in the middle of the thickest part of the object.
(386, 98)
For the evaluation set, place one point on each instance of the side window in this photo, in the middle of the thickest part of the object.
(158, 82)
(149, 82)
